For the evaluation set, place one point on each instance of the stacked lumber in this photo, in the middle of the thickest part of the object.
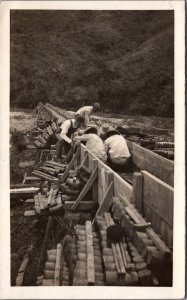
(52, 168)
(148, 143)
(43, 138)
(44, 112)
(152, 248)
(88, 269)
(123, 264)
(40, 122)
(164, 145)
(52, 268)
(44, 175)
(167, 153)
(47, 204)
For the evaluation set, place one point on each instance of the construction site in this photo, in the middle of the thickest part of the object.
(61, 213)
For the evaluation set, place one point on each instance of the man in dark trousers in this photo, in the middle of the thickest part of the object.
(64, 134)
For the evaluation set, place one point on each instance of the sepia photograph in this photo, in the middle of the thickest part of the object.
(94, 149)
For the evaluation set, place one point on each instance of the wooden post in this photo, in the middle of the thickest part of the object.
(137, 196)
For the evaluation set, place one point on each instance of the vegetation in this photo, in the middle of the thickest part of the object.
(123, 59)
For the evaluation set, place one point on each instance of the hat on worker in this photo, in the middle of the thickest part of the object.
(110, 133)
(92, 129)
(105, 127)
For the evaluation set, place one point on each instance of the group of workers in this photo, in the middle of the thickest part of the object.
(105, 142)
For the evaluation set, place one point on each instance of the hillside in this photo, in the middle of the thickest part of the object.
(123, 59)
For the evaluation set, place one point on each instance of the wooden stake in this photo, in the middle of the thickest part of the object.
(106, 203)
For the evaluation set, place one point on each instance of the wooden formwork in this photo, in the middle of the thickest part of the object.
(155, 199)
(155, 164)
(121, 187)
(152, 196)
(153, 192)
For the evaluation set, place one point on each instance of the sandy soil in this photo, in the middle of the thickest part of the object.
(22, 120)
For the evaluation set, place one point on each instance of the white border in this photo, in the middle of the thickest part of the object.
(175, 292)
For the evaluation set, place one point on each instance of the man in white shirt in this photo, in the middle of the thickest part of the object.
(64, 135)
(87, 111)
(116, 147)
(93, 143)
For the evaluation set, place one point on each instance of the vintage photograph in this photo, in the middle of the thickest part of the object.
(92, 148)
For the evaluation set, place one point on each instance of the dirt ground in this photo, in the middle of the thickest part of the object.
(23, 120)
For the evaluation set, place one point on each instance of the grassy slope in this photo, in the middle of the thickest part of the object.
(124, 59)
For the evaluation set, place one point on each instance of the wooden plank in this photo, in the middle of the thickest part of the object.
(90, 254)
(95, 185)
(83, 205)
(118, 251)
(26, 190)
(109, 177)
(86, 188)
(40, 200)
(58, 265)
(19, 279)
(25, 175)
(103, 182)
(159, 196)
(133, 216)
(120, 258)
(44, 176)
(30, 201)
(137, 184)
(32, 178)
(55, 164)
(50, 196)
(158, 242)
(106, 203)
(70, 166)
(155, 164)
(29, 213)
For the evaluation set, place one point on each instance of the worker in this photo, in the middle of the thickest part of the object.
(93, 143)
(87, 111)
(116, 148)
(64, 135)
